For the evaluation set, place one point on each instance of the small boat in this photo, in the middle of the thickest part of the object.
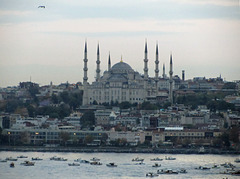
(95, 163)
(237, 160)
(167, 171)
(111, 165)
(12, 165)
(236, 172)
(11, 159)
(73, 164)
(182, 170)
(78, 160)
(169, 158)
(28, 163)
(202, 168)
(95, 159)
(2, 160)
(138, 159)
(156, 159)
(58, 158)
(215, 166)
(36, 158)
(228, 165)
(156, 165)
(150, 174)
(22, 156)
(140, 163)
(201, 150)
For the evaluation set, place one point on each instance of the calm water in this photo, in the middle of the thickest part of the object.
(47, 168)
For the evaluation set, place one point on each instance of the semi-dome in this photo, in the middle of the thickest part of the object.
(121, 66)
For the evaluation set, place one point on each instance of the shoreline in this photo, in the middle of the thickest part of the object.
(116, 150)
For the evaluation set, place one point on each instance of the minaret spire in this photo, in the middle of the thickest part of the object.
(98, 64)
(164, 75)
(156, 69)
(171, 81)
(85, 78)
(85, 69)
(145, 66)
(109, 62)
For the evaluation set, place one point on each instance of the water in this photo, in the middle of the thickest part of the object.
(47, 168)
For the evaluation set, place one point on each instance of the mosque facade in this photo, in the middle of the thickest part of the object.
(120, 83)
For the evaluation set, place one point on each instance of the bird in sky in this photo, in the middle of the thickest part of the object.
(41, 6)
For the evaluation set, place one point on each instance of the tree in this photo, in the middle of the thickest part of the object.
(229, 85)
(125, 105)
(64, 136)
(88, 139)
(234, 134)
(225, 139)
(88, 119)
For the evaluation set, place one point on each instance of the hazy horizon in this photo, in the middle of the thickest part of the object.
(47, 44)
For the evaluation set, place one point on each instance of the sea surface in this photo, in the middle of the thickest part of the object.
(47, 168)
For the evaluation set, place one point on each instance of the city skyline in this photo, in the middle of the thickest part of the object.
(47, 44)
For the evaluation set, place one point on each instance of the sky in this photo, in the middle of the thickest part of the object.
(47, 44)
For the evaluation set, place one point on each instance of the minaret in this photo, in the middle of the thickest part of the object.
(156, 69)
(183, 75)
(98, 65)
(164, 75)
(109, 62)
(85, 69)
(171, 82)
(145, 67)
(146, 62)
(85, 78)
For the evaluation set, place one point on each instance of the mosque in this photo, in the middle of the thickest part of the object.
(121, 83)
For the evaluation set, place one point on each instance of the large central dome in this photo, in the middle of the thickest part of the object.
(121, 66)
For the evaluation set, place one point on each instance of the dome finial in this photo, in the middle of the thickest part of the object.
(121, 59)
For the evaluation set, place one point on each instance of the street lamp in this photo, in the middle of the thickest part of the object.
(9, 133)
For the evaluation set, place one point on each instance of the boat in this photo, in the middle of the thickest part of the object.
(202, 168)
(84, 161)
(73, 164)
(166, 171)
(111, 165)
(150, 174)
(58, 158)
(182, 170)
(138, 159)
(237, 160)
(169, 158)
(140, 163)
(36, 158)
(11, 159)
(95, 163)
(95, 159)
(28, 163)
(12, 165)
(22, 156)
(201, 150)
(156, 159)
(156, 165)
(236, 172)
(2, 160)
(216, 166)
(228, 165)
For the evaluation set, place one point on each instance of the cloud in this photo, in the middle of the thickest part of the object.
(210, 2)
(14, 13)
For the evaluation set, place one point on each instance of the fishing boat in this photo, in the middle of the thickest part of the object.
(138, 159)
(111, 165)
(95, 163)
(11, 159)
(73, 164)
(237, 160)
(36, 158)
(22, 156)
(156, 159)
(95, 159)
(156, 165)
(167, 171)
(28, 163)
(58, 158)
(150, 174)
(202, 168)
(169, 158)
